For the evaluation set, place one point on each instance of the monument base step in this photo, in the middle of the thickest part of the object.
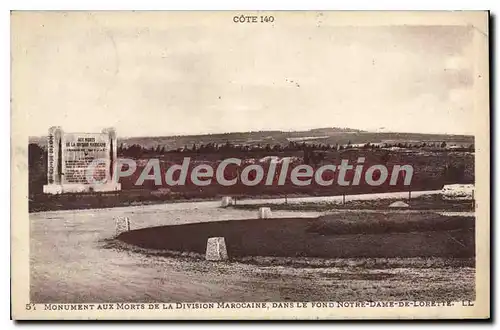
(55, 189)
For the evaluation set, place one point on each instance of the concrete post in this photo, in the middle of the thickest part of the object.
(122, 225)
(226, 201)
(264, 213)
(216, 249)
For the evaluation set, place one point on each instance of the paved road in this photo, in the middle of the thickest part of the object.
(338, 199)
(195, 206)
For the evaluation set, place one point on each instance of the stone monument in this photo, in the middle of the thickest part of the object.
(264, 213)
(81, 162)
(216, 249)
(226, 201)
(122, 225)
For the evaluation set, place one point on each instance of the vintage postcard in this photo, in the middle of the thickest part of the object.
(250, 165)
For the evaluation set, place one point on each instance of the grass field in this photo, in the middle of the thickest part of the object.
(341, 235)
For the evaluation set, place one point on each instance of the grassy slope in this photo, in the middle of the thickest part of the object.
(347, 235)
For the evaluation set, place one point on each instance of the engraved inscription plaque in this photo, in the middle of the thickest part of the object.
(80, 162)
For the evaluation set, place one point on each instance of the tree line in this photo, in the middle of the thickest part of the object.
(137, 150)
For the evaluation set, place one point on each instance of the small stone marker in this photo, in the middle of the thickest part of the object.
(265, 213)
(216, 249)
(458, 191)
(122, 225)
(226, 201)
(400, 204)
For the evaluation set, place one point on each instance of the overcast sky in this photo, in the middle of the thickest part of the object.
(164, 75)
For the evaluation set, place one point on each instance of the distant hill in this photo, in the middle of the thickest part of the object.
(331, 135)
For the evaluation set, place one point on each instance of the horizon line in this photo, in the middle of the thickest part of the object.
(271, 130)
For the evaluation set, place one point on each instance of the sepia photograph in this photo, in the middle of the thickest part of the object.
(250, 165)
